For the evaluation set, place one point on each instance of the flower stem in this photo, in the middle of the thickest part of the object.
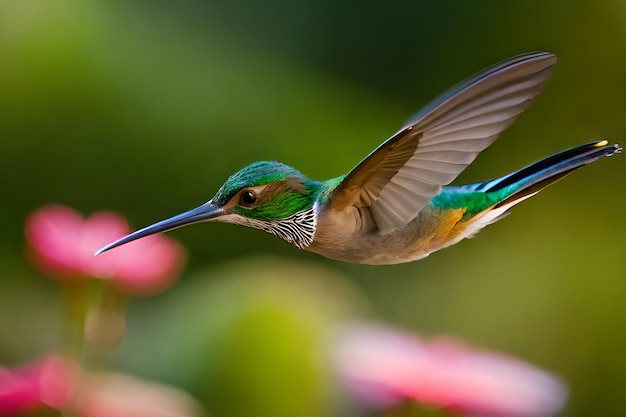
(95, 325)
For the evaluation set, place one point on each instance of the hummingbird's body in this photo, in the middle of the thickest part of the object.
(458, 212)
(435, 227)
(395, 206)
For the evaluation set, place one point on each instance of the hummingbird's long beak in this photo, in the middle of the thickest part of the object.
(203, 213)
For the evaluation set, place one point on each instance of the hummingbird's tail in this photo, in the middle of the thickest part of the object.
(530, 180)
(501, 194)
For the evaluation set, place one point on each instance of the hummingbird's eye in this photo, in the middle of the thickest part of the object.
(247, 198)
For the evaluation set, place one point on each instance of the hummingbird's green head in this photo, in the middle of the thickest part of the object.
(269, 196)
(273, 197)
(266, 191)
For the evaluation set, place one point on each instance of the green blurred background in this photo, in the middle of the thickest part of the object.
(146, 107)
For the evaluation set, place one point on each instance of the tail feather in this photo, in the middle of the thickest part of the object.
(531, 179)
(503, 193)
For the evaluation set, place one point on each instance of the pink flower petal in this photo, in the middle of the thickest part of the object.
(98, 230)
(118, 395)
(17, 393)
(57, 378)
(52, 233)
(382, 367)
(48, 381)
(62, 244)
(148, 265)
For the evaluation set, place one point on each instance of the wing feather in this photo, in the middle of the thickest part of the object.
(401, 176)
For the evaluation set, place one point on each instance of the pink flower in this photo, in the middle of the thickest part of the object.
(48, 381)
(18, 392)
(382, 368)
(62, 244)
(58, 383)
(118, 395)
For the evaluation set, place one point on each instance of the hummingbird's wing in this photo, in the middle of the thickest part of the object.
(398, 179)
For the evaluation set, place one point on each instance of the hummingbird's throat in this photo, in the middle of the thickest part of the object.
(297, 229)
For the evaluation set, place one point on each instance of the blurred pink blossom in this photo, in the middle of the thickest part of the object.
(382, 368)
(57, 383)
(48, 381)
(62, 244)
(118, 395)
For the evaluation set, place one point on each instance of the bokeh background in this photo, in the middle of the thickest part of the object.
(145, 108)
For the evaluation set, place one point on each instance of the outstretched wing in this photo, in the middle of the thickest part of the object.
(402, 175)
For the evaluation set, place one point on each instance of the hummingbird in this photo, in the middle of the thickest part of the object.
(396, 205)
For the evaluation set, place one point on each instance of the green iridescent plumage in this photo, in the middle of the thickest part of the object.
(258, 173)
(396, 205)
(471, 202)
(290, 191)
